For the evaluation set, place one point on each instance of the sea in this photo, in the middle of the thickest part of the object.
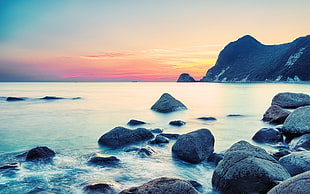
(71, 126)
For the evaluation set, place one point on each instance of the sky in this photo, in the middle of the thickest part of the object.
(134, 40)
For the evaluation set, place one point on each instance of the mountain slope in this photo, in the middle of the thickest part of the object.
(249, 60)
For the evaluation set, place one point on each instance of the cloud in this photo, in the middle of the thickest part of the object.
(106, 56)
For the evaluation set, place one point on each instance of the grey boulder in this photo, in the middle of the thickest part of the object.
(298, 184)
(275, 114)
(268, 135)
(291, 100)
(120, 136)
(247, 169)
(167, 103)
(296, 162)
(40, 154)
(163, 185)
(194, 147)
(298, 122)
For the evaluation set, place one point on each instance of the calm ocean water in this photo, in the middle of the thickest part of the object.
(72, 127)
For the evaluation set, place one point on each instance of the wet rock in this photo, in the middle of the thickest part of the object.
(134, 122)
(40, 154)
(275, 114)
(291, 100)
(120, 136)
(146, 151)
(170, 135)
(11, 166)
(194, 147)
(51, 98)
(297, 123)
(296, 162)
(163, 185)
(298, 184)
(207, 118)
(167, 103)
(103, 160)
(14, 99)
(300, 143)
(177, 123)
(106, 187)
(268, 135)
(247, 169)
(161, 139)
(282, 152)
(215, 158)
(235, 115)
(196, 185)
(157, 130)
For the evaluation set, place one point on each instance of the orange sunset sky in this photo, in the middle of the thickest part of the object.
(142, 40)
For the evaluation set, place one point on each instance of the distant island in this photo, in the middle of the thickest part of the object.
(247, 60)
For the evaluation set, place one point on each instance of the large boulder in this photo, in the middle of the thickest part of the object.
(40, 154)
(163, 185)
(247, 169)
(275, 114)
(194, 147)
(185, 77)
(296, 162)
(120, 136)
(298, 122)
(167, 103)
(291, 100)
(298, 184)
(300, 143)
(106, 187)
(268, 135)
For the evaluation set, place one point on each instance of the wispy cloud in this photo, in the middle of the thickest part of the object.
(105, 56)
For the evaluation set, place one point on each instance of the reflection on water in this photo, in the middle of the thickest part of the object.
(72, 128)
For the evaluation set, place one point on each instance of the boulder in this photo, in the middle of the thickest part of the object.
(120, 136)
(160, 139)
(298, 184)
(268, 135)
(300, 143)
(105, 187)
(207, 118)
(40, 154)
(177, 123)
(167, 103)
(275, 114)
(103, 160)
(146, 151)
(134, 122)
(291, 100)
(247, 169)
(194, 147)
(163, 185)
(185, 77)
(14, 99)
(298, 122)
(296, 162)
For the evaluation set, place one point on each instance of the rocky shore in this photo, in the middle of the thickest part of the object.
(242, 168)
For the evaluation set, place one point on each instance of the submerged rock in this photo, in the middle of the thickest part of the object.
(11, 166)
(134, 122)
(291, 100)
(14, 99)
(120, 136)
(185, 77)
(160, 139)
(194, 147)
(207, 118)
(163, 185)
(298, 184)
(103, 160)
(106, 187)
(235, 115)
(51, 98)
(166, 103)
(300, 143)
(275, 114)
(40, 154)
(298, 122)
(268, 135)
(247, 169)
(171, 135)
(146, 151)
(296, 162)
(177, 123)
